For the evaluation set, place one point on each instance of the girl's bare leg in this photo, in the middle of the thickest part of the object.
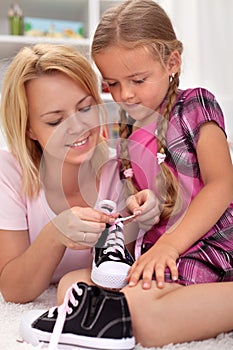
(174, 314)
(180, 314)
(70, 278)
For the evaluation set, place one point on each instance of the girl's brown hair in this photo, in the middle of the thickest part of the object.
(143, 23)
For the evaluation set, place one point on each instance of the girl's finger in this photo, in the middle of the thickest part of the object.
(173, 269)
(159, 274)
(147, 277)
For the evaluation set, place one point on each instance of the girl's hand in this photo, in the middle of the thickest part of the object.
(146, 205)
(154, 262)
(80, 227)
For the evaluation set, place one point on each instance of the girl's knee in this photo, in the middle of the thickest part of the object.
(68, 279)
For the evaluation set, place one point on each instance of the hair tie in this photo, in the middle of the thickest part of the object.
(128, 173)
(161, 157)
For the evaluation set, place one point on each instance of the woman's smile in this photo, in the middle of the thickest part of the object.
(77, 144)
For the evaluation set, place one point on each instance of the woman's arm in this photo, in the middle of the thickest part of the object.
(26, 269)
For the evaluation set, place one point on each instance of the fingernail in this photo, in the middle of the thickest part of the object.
(131, 284)
(137, 212)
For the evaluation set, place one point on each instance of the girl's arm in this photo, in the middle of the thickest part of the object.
(211, 202)
(204, 211)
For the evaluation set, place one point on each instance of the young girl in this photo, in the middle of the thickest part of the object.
(52, 174)
(136, 50)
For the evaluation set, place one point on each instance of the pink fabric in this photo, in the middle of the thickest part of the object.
(143, 153)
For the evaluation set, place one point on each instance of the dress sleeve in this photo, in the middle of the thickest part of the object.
(196, 107)
(12, 204)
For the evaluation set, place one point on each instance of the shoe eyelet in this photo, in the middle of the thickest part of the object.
(75, 303)
(69, 311)
(80, 292)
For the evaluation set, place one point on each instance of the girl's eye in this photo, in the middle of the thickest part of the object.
(139, 81)
(85, 109)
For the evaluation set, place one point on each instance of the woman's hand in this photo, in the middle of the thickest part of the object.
(146, 205)
(153, 263)
(80, 227)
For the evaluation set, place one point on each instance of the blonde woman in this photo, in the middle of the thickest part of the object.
(51, 174)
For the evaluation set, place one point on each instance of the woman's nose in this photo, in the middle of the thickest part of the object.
(73, 124)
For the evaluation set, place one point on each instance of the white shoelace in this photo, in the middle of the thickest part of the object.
(124, 218)
(115, 241)
(62, 310)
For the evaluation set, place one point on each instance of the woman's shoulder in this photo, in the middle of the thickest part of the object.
(8, 163)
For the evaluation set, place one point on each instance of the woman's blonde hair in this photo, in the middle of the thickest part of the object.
(134, 24)
(28, 64)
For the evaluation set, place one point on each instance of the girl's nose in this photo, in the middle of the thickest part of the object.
(127, 92)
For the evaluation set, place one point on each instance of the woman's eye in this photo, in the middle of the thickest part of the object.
(112, 84)
(55, 122)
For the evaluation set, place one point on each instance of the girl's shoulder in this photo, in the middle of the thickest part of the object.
(197, 98)
(197, 106)
(195, 93)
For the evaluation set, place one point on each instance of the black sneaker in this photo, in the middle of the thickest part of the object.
(90, 317)
(111, 260)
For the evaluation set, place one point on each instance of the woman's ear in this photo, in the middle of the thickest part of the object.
(174, 62)
(31, 134)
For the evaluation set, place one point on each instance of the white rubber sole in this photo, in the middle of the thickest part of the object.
(69, 341)
(110, 274)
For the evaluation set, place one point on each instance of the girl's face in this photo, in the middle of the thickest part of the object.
(63, 118)
(137, 81)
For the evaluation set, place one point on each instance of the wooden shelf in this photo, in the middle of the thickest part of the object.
(10, 44)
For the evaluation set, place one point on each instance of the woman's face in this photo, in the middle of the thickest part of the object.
(63, 118)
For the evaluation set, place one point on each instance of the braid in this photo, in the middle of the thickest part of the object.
(119, 27)
(166, 179)
(124, 131)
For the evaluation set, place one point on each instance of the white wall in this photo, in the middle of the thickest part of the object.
(206, 29)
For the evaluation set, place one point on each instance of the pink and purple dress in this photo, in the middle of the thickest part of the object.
(210, 259)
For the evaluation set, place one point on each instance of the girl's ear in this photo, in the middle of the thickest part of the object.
(174, 63)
